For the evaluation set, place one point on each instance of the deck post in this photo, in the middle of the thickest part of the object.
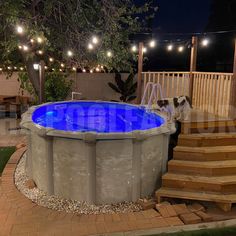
(140, 70)
(193, 64)
(41, 81)
(232, 105)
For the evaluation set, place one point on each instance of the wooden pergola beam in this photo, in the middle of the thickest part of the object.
(41, 82)
(193, 64)
(140, 70)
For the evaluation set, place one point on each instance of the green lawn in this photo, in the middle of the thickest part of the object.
(206, 232)
(5, 154)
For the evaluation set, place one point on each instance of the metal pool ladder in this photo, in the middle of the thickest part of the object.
(155, 89)
(73, 95)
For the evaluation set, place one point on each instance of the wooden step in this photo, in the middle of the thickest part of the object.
(222, 184)
(208, 168)
(205, 140)
(222, 126)
(223, 200)
(205, 153)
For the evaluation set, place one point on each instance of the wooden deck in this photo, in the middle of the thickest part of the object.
(204, 122)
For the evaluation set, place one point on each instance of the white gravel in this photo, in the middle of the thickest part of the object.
(67, 205)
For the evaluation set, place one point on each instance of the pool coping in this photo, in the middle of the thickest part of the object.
(27, 123)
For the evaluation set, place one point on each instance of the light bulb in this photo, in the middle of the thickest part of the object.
(90, 46)
(74, 68)
(144, 50)
(84, 70)
(94, 40)
(25, 48)
(91, 71)
(69, 53)
(51, 59)
(134, 48)
(170, 47)
(62, 65)
(205, 42)
(180, 48)
(20, 29)
(109, 54)
(152, 44)
(39, 40)
(40, 52)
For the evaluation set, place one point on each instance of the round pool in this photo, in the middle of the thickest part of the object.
(99, 152)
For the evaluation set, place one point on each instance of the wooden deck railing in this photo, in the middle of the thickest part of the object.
(211, 91)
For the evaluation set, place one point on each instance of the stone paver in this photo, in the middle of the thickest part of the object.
(19, 216)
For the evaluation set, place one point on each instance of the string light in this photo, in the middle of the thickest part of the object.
(74, 68)
(152, 44)
(205, 42)
(62, 65)
(84, 70)
(15, 68)
(21, 68)
(20, 47)
(69, 53)
(94, 40)
(20, 29)
(134, 48)
(170, 47)
(97, 69)
(0, 69)
(51, 59)
(102, 67)
(60, 70)
(90, 46)
(39, 40)
(91, 71)
(144, 50)
(32, 40)
(45, 67)
(109, 54)
(25, 48)
(180, 48)
(40, 52)
(9, 68)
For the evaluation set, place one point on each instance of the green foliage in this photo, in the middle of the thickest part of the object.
(126, 88)
(5, 154)
(70, 24)
(57, 86)
(25, 83)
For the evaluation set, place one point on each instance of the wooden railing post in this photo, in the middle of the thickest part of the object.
(232, 104)
(140, 70)
(193, 64)
(41, 82)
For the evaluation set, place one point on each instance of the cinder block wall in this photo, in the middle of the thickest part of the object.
(92, 86)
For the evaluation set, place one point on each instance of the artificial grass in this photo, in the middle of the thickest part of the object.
(231, 231)
(5, 154)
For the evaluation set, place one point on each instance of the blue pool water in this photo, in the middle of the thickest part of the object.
(101, 117)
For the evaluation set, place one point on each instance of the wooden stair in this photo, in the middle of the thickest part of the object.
(203, 168)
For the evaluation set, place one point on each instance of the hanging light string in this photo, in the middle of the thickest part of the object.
(179, 45)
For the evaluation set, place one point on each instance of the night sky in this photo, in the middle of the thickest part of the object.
(182, 16)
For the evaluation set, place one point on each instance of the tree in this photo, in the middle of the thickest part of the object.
(63, 25)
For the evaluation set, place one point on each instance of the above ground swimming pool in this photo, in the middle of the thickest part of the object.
(99, 152)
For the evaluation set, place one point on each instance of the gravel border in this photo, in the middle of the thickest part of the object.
(60, 204)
